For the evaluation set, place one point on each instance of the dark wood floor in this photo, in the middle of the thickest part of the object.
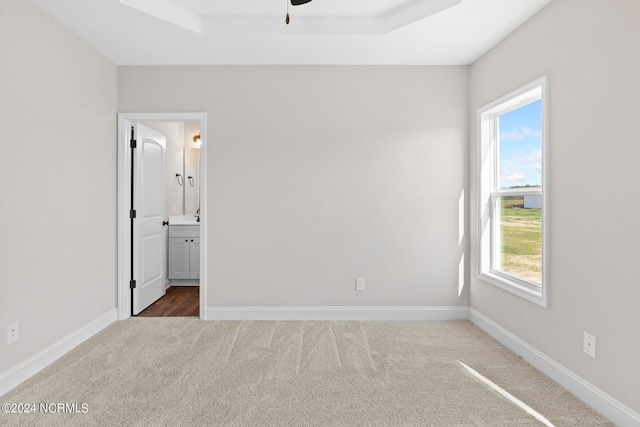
(179, 301)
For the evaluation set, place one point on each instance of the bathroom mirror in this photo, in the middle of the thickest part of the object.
(182, 166)
(191, 202)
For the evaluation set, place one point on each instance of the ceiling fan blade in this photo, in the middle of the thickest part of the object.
(299, 2)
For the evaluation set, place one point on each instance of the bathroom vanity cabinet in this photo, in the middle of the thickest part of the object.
(184, 252)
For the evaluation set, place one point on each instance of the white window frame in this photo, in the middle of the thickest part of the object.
(489, 193)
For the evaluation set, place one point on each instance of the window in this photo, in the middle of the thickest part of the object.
(513, 208)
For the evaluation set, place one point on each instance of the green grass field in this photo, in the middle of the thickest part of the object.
(521, 241)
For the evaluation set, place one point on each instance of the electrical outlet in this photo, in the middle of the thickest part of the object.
(12, 333)
(589, 345)
(360, 284)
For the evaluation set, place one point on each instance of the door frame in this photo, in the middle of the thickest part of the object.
(124, 200)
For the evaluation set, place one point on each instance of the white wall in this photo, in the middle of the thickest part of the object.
(57, 181)
(319, 175)
(591, 51)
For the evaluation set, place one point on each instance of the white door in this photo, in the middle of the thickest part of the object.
(149, 270)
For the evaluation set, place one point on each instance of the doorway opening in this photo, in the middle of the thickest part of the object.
(177, 209)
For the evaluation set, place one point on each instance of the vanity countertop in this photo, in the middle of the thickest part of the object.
(183, 220)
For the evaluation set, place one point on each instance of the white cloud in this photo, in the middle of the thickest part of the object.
(522, 168)
(531, 160)
(513, 177)
(519, 133)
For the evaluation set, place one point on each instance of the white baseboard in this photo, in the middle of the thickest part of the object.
(337, 313)
(606, 405)
(184, 282)
(24, 370)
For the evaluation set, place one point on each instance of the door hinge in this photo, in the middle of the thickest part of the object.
(132, 213)
(132, 284)
(133, 143)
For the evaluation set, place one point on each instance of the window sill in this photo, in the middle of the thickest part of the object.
(536, 296)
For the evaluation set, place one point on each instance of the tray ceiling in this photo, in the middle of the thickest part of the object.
(407, 32)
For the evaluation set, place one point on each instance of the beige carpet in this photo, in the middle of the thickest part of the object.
(184, 371)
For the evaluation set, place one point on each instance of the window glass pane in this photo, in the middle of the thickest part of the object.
(520, 147)
(521, 237)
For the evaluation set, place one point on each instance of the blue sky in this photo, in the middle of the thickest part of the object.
(521, 146)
